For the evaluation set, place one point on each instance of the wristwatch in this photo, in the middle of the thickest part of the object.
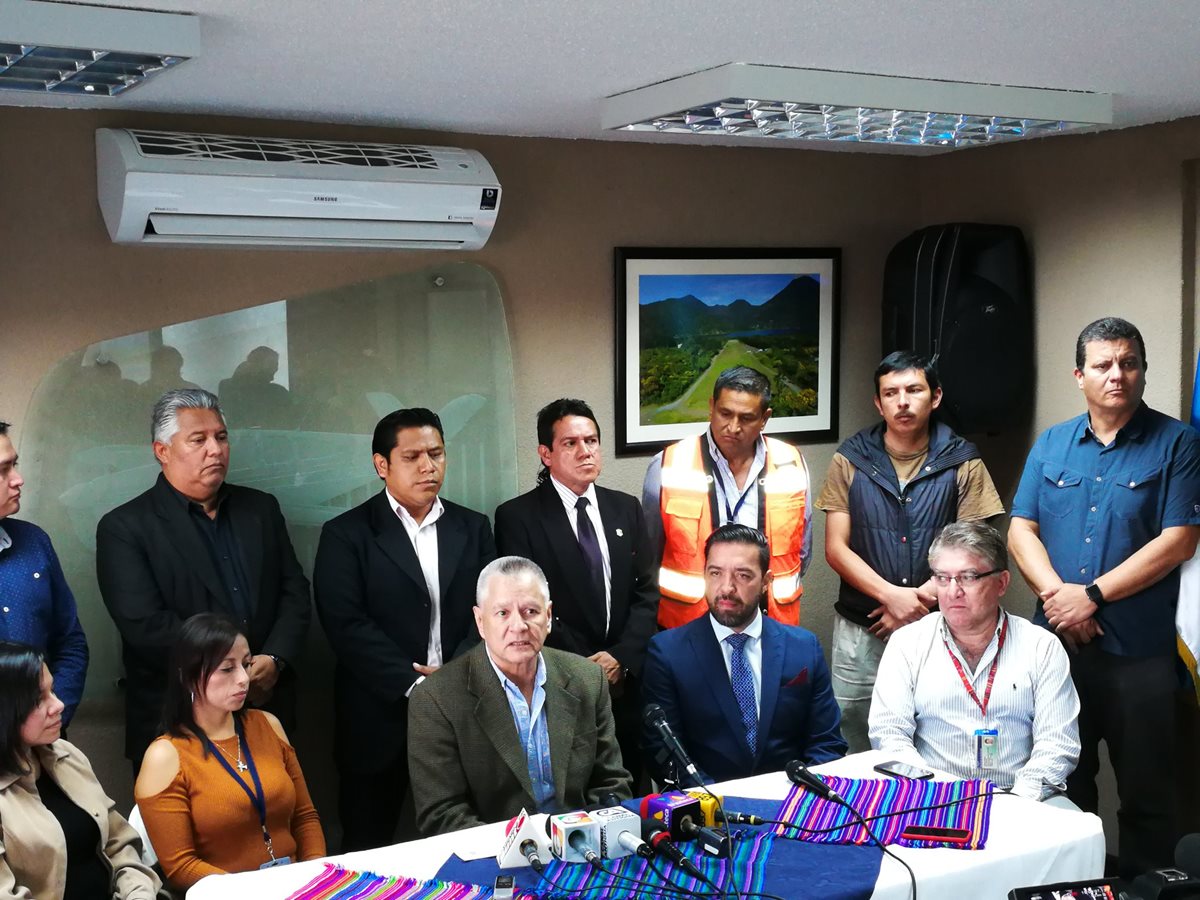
(280, 665)
(1095, 595)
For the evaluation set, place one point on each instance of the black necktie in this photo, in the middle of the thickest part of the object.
(590, 545)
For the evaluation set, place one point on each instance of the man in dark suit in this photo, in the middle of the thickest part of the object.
(394, 581)
(511, 725)
(743, 693)
(194, 543)
(594, 547)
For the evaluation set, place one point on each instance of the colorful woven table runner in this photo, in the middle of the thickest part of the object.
(336, 883)
(822, 821)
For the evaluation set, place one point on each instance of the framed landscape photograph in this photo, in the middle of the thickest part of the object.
(685, 315)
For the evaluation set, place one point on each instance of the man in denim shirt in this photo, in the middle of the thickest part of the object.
(1107, 509)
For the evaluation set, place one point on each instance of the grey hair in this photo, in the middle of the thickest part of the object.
(513, 567)
(165, 420)
(977, 538)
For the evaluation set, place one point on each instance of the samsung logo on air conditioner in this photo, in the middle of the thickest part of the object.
(326, 199)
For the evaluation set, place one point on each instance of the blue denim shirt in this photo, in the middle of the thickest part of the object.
(1097, 505)
(532, 731)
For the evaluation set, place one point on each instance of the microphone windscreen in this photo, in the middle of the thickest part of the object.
(653, 714)
(1187, 854)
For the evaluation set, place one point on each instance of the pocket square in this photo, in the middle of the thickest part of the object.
(800, 680)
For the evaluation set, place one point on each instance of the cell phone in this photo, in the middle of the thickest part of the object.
(897, 769)
(503, 888)
(935, 833)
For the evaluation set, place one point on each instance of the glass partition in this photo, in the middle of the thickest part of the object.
(302, 382)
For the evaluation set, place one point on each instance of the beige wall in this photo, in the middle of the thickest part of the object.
(1103, 213)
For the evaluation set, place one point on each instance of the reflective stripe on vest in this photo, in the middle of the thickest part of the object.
(687, 522)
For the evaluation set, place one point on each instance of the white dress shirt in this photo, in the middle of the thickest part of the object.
(569, 499)
(921, 708)
(752, 649)
(423, 535)
(736, 504)
(5, 540)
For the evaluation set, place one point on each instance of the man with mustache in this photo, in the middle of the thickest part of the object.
(743, 693)
(394, 581)
(890, 488)
(1107, 510)
(195, 543)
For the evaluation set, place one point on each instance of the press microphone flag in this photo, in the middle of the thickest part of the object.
(520, 834)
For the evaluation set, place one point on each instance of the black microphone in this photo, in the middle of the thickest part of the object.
(713, 842)
(797, 773)
(529, 849)
(739, 818)
(657, 719)
(660, 839)
(1187, 854)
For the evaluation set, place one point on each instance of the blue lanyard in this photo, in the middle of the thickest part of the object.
(731, 514)
(257, 798)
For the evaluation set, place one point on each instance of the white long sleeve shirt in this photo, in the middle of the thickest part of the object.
(921, 710)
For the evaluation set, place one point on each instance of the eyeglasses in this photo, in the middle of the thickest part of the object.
(964, 579)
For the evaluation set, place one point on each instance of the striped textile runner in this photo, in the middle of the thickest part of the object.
(336, 883)
(822, 821)
(742, 872)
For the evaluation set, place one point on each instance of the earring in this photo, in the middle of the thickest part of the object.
(193, 696)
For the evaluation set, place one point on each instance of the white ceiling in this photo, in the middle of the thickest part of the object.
(543, 67)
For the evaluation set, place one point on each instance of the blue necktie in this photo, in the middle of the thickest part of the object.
(589, 543)
(743, 687)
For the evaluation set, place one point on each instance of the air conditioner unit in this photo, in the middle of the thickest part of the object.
(159, 187)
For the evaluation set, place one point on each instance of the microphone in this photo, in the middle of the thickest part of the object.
(660, 840)
(573, 837)
(739, 818)
(621, 833)
(1187, 854)
(712, 842)
(709, 804)
(657, 719)
(529, 850)
(798, 773)
(669, 810)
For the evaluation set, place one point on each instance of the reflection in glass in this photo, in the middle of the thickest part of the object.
(303, 382)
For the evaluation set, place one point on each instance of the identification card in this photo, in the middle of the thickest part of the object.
(987, 748)
(272, 863)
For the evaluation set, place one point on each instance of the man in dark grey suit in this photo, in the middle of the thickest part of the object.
(395, 581)
(511, 725)
(594, 547)
(195, 543)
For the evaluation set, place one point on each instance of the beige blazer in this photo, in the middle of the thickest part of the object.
(33, 855)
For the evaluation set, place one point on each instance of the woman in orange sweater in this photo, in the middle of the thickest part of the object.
(222, 790)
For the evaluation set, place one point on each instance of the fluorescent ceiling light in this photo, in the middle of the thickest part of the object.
(69, 48)
(746, 100)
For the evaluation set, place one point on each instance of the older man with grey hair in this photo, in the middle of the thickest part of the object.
(972, 689)
(511, 724)
(194, 543)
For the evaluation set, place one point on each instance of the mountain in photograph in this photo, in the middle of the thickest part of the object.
(796, 308)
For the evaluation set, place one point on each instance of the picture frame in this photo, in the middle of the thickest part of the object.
(683, 315)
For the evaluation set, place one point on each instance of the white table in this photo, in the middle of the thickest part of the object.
(1028, 843)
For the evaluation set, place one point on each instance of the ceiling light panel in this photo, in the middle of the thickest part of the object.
(803, 104)
(68, 48)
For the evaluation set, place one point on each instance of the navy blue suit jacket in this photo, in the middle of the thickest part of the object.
(685, 674)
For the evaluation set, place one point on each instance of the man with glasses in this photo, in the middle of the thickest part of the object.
(973, 690)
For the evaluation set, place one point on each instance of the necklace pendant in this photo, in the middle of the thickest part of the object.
(241, 766)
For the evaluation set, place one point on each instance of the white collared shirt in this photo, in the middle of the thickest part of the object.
(753, 650)
(424, 540)
(569, 498)
(5, 540)
(743, 501)
(920, 705)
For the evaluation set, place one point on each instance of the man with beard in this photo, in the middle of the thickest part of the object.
(744, 694)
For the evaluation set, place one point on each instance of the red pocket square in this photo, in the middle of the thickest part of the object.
(800, 680)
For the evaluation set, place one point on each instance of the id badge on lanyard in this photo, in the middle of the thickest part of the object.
(987, 740)
(987, 748)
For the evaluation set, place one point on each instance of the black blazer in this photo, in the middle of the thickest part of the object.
(535, 525)
(375, 609)
(155, 571)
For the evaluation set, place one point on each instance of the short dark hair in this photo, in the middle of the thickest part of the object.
(4, 426)
(384, 440)
(733, 533)
(745, 380)
(1110, 328)
(903, 361)
(204, 641)
(550, 414)
(20, 690)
